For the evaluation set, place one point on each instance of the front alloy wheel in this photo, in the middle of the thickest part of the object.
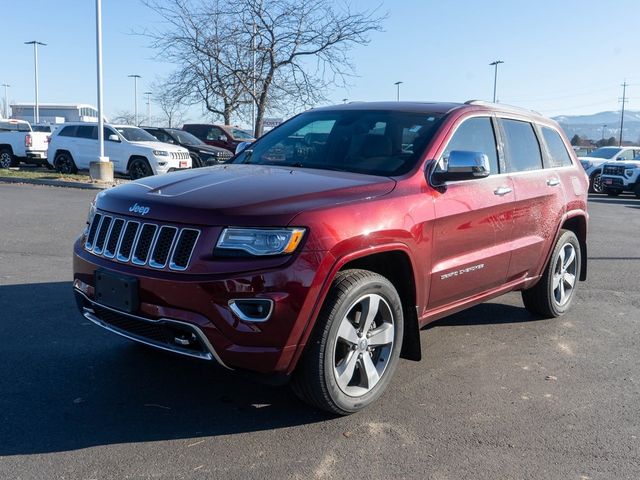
(596, 183)
(140, 168)
(355, 346)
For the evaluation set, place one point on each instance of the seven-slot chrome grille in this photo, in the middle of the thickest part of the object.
(141, 243)
(180, 155)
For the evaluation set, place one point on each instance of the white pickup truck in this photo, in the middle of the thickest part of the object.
(19, 143)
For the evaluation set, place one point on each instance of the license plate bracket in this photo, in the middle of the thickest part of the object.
(116, 291)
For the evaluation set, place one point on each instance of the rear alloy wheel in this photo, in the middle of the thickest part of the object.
(139, 168)
(553, 294)
(64, 163)
(355, 348)
(6, 158)
(596, 183)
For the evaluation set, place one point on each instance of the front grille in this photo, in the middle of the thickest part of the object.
(180, 155)
(146, 244)
(613, 170)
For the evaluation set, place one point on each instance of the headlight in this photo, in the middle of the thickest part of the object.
(628, 173)
(161, 153)
(586, 164)
(90, 215)
(261, 241)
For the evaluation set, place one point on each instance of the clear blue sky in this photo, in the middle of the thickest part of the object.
(561, 57)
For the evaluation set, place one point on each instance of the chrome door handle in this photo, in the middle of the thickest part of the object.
(553, 182)
(502, 191)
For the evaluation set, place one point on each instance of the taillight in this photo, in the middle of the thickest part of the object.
(28, 141)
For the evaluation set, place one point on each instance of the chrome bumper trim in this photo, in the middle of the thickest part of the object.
(211, 354)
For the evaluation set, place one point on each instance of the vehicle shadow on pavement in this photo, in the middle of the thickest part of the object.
(487, 314)
(626, 201)
(65, 384)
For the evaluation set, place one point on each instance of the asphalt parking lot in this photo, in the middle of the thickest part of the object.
(500, 394)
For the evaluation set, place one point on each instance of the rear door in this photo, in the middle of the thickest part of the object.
(86, 143)
(539, 203)
(472, 229)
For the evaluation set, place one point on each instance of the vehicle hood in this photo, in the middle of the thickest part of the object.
(625, 164)
(240, 194)
(208, 148)
(167, 147)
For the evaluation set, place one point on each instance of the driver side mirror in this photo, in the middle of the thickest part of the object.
(463, 165)
(113, 138)
(242, 146)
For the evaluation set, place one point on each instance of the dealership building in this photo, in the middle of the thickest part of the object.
(55, 112)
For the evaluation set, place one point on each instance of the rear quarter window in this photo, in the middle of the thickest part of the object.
(69, 131)
(558, 154)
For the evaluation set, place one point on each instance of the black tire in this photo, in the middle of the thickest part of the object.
(542, 298)
(7, 159)
(139, 168)
(196, 161)
(315, 380)
(595, 183)
(64, 163)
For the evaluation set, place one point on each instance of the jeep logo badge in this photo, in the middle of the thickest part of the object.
(135, 208)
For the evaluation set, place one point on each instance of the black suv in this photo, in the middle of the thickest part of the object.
(202, 154)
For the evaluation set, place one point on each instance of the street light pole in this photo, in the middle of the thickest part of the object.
(603, 127)
(397, 84)
(148, 94)
(6, 100)
(101, 170)
(253, 98)
(36, 108)
(495, 77)
(135, 96)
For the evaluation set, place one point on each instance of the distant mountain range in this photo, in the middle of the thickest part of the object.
(591, 126)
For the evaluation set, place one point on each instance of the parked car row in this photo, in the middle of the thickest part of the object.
(613, 170)
(137, 152)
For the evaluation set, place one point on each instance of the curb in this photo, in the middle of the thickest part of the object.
(57, 183)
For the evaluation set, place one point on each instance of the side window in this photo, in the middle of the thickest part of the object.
(86, 131)
(626, 155)
(523, 150)
(69, 131)
(474, 135)
(559, 157)
(214, 133)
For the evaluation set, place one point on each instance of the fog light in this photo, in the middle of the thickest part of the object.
(252, 309)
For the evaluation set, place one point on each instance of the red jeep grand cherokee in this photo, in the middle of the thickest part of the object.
(320, 252)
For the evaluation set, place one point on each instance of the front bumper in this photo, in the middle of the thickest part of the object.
(611, 182)
(200, 304)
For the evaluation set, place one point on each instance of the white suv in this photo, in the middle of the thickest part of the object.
(132, 150)
(592, 163)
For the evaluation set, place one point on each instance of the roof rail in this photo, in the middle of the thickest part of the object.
(503, 106)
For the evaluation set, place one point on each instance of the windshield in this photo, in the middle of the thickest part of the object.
(186, 137)
(605, 152)
(366, 141)
(241, 134)
(135, 134)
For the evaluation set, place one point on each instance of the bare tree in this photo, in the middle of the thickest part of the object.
(171, 104)
(278, 55)
(124, 117)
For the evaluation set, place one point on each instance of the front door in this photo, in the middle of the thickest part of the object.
(473, 222)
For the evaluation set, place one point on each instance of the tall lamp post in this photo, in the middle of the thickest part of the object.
(397, 84)
(36, 108)
(6, 100)
(495, 77)
(604, 125)
(102, 169)
(148, 94)
(135, 96)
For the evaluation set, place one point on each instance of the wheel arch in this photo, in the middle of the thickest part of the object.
(578, 225)
(137, 157)
(7, 145)
(396, 266)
